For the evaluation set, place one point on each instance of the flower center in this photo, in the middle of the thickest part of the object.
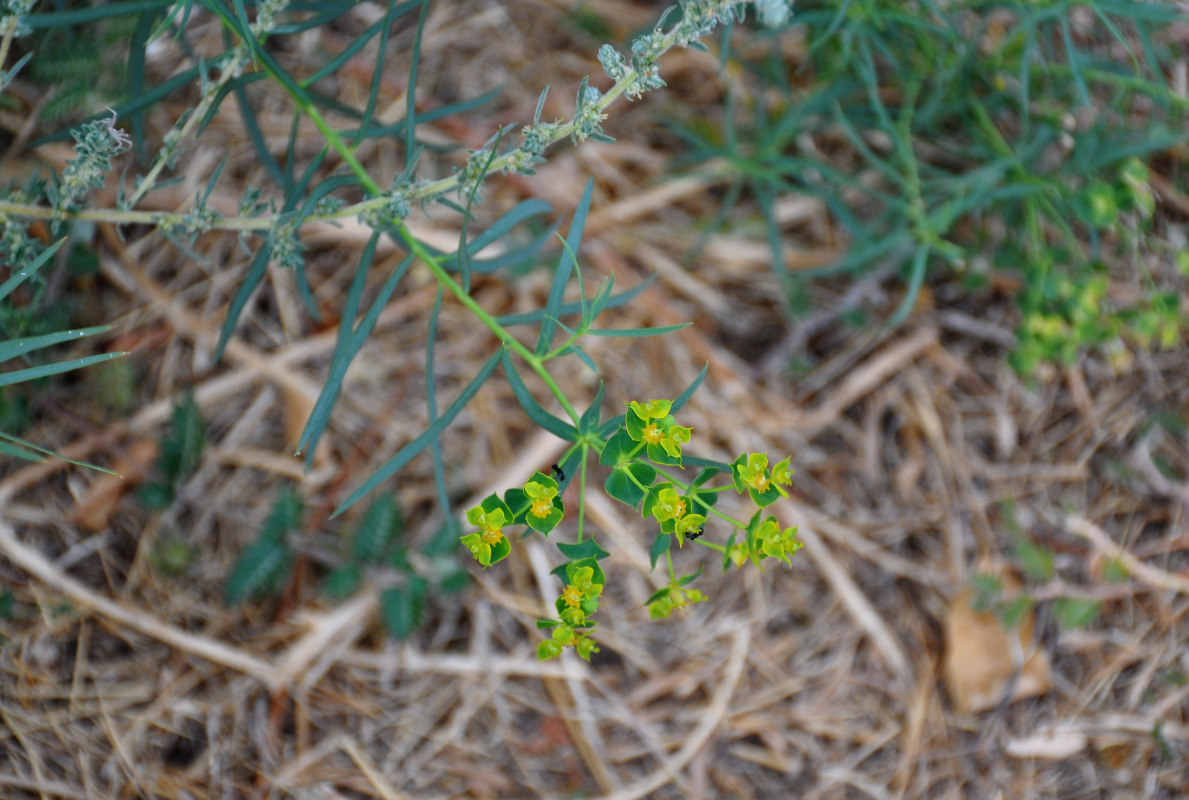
(653, 434)
(542, 508)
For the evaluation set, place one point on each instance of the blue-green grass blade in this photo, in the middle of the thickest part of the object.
(501, 227)
(575, 350)
(136, 71)
(637, 333)
(44, 370)
(530, 317)
(414, 70)
(856, 139)
(19, 277)
(373, 92)
(429, 115)
(431, 405)
(331, 184)
(684, 397)
(333, 64)
(41, 452)
(85, 16)
(406, 453)
(255, 274)
(531, 407)
(329, 12)
(590, 417)
(464, 254)
(210, 184)
(565, 264)
(347, 347)
(915, 278)
(30, 344)
(248, 114)
(18, 452)
(1075, 62)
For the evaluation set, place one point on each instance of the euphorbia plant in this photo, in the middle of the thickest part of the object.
(638, 447)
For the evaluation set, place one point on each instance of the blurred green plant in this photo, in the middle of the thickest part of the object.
(954, 140)
(21, 349)
(179, 454)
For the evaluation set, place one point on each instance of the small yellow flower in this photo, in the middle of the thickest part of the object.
(572, 596)
(541, 508)
(490, 536)
(653, 434)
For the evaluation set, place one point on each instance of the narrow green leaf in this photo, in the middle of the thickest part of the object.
(411, 90)
(564, 266)
(19, 277)
(637, 333)
(590, 417)
(33, 373)
(531, 407)
(255, 275)
(406, 453)
(684, 397)
(248, 115)
(18, 452)
(660, 546)
(30, 344)
(348, 344)
(373, 92)
(85, 16)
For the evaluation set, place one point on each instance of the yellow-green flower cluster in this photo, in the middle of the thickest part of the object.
(673, 597)
(579, 599)
(651, 424)
(488, 544)
(777, 543)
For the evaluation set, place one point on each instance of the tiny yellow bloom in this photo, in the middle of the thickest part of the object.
(572, 596)
(541, 508)
(491, 536)
(653, 434)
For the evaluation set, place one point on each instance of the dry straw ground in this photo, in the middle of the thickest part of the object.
(826, 680)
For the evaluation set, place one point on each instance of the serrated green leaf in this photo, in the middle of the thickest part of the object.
(1012, 613)
(376, 530)
(259, 569)
(1075, 612)
(1036, 561)
(343, 581)
(403, 606)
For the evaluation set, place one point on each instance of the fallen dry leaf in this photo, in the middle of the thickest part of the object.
(93, 510)
(981, 657)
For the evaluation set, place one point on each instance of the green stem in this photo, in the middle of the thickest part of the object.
(582, 492)
(9, 32)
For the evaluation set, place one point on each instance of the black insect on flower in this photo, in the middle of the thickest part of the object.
(694, 534)
(561, 476)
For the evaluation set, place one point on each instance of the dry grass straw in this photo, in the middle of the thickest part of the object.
(819, 681)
